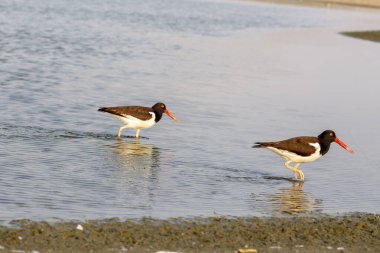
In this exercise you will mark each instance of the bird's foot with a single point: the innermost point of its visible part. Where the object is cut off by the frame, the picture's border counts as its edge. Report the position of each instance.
(302, 176)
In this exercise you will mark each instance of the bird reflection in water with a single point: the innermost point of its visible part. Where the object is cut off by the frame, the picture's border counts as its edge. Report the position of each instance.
(136, 174)
(137, 157)
(293, 200)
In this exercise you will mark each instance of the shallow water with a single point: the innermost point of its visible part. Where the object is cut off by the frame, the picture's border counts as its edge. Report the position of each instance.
(232, 72)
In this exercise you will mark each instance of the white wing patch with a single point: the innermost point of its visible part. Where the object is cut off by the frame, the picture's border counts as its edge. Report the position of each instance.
(136, 123)
(298, 158)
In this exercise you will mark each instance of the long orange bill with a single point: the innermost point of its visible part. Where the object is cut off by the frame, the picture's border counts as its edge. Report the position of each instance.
(171, 116)
(341, 143)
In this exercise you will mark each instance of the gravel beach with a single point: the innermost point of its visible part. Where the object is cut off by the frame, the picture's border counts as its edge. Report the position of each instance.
(350, 233)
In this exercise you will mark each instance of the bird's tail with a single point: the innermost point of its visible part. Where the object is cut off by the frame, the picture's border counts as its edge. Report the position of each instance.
(103, 109)
(111, 110)
(261, 144)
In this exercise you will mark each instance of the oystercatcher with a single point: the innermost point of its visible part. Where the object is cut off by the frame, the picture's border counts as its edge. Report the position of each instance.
(302, 149)
(138, 117)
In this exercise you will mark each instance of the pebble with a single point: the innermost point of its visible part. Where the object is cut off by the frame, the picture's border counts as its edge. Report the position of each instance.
(329, 247)
(247, 250)
(79, 227)
(275, 247)
(2, 247)
(340, 249)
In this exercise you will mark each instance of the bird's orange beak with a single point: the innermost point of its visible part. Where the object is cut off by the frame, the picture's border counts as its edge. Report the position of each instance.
(343, 145)
(171, 116)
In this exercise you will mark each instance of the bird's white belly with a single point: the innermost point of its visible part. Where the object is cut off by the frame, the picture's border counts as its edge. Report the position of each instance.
(136, 123)
(298, 158)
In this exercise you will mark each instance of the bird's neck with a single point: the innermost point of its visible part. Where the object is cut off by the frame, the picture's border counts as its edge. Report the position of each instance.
(325, 146)
(158, 115)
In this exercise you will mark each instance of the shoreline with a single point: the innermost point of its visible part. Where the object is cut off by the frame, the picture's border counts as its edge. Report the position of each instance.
(356, 232)
(369, 35)
(373, 36)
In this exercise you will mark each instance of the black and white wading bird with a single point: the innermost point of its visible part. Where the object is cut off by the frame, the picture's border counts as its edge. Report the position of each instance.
(302, 149)
(138, 117)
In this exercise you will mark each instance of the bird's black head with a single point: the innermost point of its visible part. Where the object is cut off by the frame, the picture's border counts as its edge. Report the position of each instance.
(325, 140)
(159, 109)
(327, 137)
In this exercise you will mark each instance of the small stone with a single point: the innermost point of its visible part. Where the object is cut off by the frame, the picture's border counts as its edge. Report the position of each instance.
(35, 251)
(20, 238)
(275, 247)
(79, 227)
(2, 247)
(299, 246)
(166, 251)
(340, 249)
(247, 250)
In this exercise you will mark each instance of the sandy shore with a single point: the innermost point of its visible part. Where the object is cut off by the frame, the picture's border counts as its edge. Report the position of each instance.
(365, 35)
(352, 233)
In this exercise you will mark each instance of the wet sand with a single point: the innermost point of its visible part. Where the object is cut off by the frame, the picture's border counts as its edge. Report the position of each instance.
(351, 233)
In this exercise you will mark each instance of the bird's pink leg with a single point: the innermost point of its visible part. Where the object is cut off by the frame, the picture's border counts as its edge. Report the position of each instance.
(120, 130)
(295, 170)
(137, 133)
(287, 165)
(302, 176)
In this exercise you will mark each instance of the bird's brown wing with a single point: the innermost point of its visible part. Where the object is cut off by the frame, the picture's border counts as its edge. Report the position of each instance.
(297, 145)
(140, 112)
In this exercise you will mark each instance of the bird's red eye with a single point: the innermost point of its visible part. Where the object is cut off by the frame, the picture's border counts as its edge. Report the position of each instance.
(162, 106)
(331, 134)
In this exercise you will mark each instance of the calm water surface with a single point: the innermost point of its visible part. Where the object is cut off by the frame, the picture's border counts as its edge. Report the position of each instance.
(232, 72)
